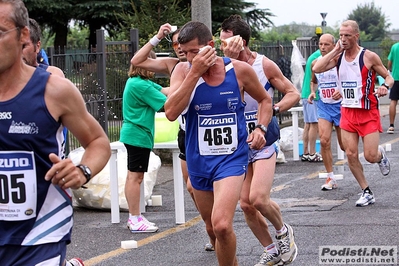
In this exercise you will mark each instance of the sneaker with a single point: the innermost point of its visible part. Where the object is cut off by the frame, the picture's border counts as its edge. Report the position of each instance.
(365, 199)
(75, 262)
(305, 157)
(287, 246)
(390, 130)
(270, 259)
(141, 226)
(385, 166)
(315, 158)
(330, 184)
(209, 247)
(145, 220)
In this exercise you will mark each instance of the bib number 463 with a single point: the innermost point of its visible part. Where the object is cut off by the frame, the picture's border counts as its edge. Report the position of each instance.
(218, 136)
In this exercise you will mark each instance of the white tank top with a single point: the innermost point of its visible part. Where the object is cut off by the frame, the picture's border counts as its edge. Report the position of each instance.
(328, 83)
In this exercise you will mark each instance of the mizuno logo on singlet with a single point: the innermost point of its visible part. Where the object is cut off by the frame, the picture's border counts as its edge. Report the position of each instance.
(217, 121)
(251, 116)
(14, 162)
(328, 85)
(349, 84)
(5, 115)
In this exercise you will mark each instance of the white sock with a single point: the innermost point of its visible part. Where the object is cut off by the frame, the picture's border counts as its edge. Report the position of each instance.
(134, 218)
(331, 175)
(271, 249)
(282, 231)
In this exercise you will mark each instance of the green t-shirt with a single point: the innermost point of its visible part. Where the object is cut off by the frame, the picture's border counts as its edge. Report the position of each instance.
(308, 76)
(142, 98)
(394, 58)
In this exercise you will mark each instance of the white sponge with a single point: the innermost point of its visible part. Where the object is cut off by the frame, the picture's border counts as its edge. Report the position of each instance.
(128, 244)
(336, 176)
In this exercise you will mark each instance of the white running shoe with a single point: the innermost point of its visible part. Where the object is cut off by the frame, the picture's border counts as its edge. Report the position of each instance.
(270, 259)
(209, 247)
(141, 226)
(330, 184)
(365, 199)
(145, 219)
(315, 157)
(305, 157)
(287, 246)
(385, 166)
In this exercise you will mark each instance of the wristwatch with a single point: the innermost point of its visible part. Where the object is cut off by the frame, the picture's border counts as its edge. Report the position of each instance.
(276, 110)
(262, 127)
(385, 85)
(86, 171)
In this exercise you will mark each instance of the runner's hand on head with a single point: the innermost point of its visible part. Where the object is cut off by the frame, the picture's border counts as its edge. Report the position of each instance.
(232, 46)
(204, 59)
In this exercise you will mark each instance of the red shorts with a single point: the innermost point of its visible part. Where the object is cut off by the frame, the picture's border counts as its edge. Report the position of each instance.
(360, 121)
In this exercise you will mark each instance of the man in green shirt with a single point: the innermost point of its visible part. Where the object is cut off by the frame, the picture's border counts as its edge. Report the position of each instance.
(309, 115)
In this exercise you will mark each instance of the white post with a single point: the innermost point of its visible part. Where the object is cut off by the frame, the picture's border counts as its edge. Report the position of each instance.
(179, 189)
(295, 139)
(113, 170)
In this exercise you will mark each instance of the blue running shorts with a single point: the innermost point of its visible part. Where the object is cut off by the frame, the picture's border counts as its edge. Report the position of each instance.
(329, 111)
(309, 111)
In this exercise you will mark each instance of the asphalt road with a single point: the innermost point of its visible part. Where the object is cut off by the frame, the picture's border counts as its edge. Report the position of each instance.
(319, 218)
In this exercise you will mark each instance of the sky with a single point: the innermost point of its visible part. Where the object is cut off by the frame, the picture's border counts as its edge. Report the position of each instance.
(308, 11)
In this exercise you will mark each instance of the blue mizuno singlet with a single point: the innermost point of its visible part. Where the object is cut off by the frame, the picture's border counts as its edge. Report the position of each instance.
(32, 211)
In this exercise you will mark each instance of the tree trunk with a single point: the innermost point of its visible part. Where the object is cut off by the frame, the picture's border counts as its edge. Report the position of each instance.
(60, 40)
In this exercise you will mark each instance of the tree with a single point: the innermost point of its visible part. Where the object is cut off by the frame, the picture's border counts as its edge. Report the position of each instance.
(258, 19)
(146, 15)
(99, 14)
(371, 20)
(54, 15)
(77, 37)
(386, 45)
(149, 15)
(283, 33)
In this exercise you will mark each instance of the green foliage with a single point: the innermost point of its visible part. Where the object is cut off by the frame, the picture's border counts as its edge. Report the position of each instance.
(119, 16)
(47, 39)
(257, 18)
(56, 15)
(99, 14)
(371, 20)
(386, 45)
(274, 35)
(77, 37)
(149, 16)
(47, 12)
(291, 32)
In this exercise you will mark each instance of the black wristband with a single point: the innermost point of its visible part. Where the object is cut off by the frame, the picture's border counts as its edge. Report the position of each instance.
(86, 172)
(262, 127)
(385, 85)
